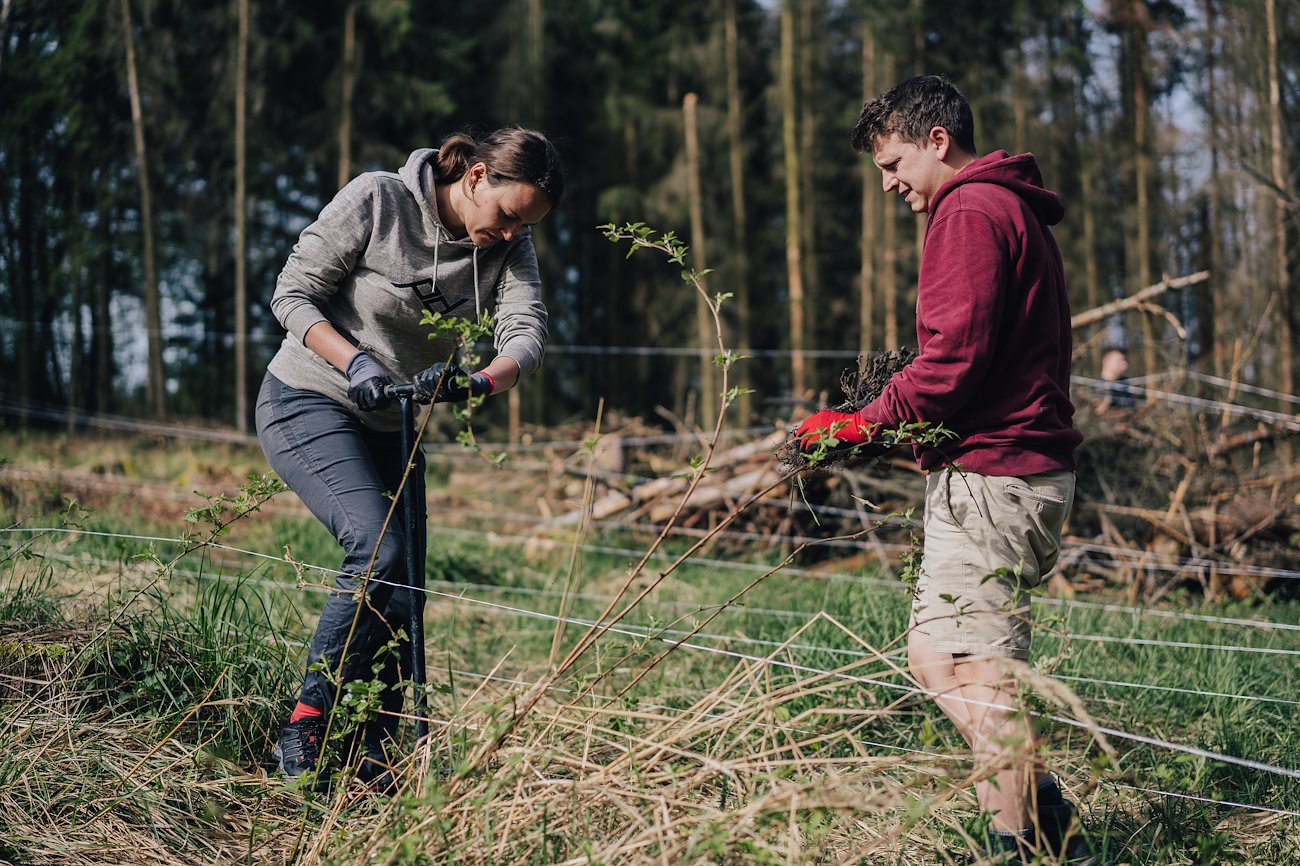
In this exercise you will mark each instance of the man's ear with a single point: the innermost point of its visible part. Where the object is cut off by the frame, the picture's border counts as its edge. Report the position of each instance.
(942, 141)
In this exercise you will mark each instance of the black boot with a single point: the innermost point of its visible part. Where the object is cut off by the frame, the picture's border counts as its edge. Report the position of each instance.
(1059, 829)
(1007, 849)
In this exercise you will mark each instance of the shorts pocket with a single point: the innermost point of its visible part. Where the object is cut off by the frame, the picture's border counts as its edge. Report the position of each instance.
(939, 498)
(1041, 500)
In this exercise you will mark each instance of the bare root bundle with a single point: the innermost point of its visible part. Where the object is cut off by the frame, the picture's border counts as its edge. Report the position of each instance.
(860, 387)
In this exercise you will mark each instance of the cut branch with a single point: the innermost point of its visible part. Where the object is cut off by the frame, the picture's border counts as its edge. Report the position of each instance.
(1137, 299)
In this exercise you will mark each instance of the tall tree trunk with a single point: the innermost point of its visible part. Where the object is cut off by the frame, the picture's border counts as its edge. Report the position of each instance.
(1020, 89)
(101, 333)
(1138, 27)
(918, 68)
(740, 238)
(349, 84)
(1277, 159)
(889, 243)
(1087, 162)
(1210, 292)
(870, 181)
(793, 207)
(241, 228)
(533, 113)
(24, 277)
(806, 82)
(642, 290)
(156, 384)
(76, 353)
(704, 333)
(536, 62)
(6, 9)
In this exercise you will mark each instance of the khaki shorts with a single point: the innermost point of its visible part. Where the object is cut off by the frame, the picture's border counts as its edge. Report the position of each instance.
(989, 540)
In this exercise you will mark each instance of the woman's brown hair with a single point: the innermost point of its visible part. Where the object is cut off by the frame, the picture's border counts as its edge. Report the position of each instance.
(512, 155)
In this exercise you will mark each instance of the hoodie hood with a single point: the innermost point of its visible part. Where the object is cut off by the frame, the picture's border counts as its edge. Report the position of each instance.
(418, 175)
(1019, 174)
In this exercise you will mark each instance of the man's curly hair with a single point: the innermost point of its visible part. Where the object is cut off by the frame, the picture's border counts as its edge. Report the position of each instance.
(913, 108)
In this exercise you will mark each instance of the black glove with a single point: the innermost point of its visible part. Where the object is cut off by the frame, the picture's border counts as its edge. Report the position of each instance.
(448, 383)
(368, 382)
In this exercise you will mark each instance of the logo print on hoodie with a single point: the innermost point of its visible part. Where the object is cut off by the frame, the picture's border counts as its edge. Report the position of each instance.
(434, 301)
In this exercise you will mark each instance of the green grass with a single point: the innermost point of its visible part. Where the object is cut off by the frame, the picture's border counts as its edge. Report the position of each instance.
(139, 697)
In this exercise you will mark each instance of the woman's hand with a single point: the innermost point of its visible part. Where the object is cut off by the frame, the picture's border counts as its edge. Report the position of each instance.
(368, 382)
(448, 383)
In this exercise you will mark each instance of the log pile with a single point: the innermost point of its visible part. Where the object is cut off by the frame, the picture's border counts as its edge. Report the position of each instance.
(749, 478)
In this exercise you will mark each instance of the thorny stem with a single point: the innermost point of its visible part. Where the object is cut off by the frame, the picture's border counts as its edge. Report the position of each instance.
(666, 243)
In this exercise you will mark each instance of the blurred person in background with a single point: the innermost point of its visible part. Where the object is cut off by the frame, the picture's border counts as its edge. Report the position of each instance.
(1115, 394)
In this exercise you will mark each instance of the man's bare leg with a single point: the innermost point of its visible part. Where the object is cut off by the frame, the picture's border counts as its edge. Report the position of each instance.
(965, 687)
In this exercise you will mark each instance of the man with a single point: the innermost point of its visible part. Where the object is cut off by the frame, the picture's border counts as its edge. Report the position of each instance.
(993, 328)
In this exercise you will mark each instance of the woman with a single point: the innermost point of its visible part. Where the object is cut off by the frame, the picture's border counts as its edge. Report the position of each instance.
(448, 233)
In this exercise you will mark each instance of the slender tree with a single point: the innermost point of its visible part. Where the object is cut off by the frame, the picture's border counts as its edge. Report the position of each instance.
(870, 205)
(24, 287)
(809, 19)
(793, 206)
(75, 277)
(348, 81)
(6, 9)
(101, 334)
(1208, 297)
(739, 233)
(153, 313)
(1277, 160)
(704, 333)
(889, 243)
(241, 222)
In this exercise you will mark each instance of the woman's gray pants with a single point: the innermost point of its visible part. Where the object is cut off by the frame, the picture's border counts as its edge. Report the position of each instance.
(347, 475)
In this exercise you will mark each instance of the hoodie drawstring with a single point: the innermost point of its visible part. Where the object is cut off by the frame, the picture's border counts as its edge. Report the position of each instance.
(437, 245)
(478, 307)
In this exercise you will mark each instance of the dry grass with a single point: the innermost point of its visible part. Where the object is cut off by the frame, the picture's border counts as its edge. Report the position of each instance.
(768, 766)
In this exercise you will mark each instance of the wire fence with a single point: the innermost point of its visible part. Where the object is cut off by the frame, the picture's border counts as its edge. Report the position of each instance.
(726, 645)
(673, 637)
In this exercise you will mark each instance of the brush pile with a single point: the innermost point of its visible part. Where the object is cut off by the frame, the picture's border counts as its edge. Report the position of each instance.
(1171, 495)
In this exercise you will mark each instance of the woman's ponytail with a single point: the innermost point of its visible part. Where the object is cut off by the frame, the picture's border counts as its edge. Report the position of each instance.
(455, 156)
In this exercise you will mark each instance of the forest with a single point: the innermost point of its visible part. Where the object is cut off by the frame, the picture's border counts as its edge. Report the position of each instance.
(158, 159)
(657, 631)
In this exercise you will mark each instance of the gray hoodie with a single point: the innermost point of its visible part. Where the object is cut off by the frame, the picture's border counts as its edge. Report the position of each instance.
(374, 260)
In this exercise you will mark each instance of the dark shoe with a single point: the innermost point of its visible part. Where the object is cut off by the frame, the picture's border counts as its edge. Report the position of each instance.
(377, 777)
(299, 748)
(1061, 832)
(1006, 849)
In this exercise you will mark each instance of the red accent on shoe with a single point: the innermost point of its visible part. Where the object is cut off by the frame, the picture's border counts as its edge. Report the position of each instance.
(304, 711)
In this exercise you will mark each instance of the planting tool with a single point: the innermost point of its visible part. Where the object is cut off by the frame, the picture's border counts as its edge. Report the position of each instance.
(415, 547)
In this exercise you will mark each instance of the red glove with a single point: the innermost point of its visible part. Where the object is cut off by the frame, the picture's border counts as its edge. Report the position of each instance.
(846, 428)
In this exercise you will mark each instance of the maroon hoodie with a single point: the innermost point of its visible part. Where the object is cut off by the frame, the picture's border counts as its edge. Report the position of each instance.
(992, 325)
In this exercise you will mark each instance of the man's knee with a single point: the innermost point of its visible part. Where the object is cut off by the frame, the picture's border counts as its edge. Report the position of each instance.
(922, 661)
